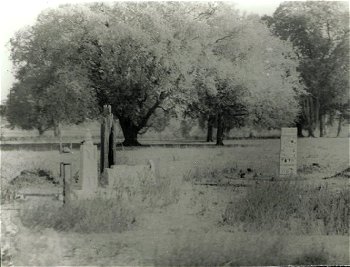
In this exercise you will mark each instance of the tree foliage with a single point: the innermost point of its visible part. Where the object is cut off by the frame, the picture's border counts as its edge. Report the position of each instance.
(50, 88)
(319, 32)
(249, 76)
(133, 56)
(149, 60)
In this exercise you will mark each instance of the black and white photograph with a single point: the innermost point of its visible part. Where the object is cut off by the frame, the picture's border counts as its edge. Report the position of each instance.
(174, 133)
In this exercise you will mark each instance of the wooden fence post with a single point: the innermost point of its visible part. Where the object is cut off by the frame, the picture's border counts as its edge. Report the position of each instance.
(66, 173)
(67, 178)
(113, 144)
(108, 139)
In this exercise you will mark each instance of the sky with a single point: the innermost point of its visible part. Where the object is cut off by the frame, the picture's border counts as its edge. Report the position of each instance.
(16, 14)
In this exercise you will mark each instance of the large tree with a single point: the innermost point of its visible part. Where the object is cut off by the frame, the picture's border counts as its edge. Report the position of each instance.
(246, 75)
(319, 31)
(42, 99)
(50, 87)
(143, 61)
(133, 56)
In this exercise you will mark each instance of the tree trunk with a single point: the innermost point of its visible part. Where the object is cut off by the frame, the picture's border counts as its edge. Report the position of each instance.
(40, 130)
(310, 131)
(210, 129)
(103, 148)
(300, 129)
(321, 124)
(220, 131)
(340, 120)
(317, 112)
(331, 119)
(309, 111)
(112, 156)
(310, 115)
(130, 131)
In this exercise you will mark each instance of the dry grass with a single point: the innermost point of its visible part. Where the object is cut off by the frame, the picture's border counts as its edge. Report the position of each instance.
(332, 154)
(13, 163)
(285, 205)
(100, 215)
(165, 192)
(86, 216)
(269, 206)
(214, 174)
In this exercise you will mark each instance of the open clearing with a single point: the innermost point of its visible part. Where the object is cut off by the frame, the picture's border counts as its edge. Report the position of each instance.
(184, 224)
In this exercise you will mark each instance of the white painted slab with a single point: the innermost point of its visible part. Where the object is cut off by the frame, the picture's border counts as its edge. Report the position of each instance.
(288, 152)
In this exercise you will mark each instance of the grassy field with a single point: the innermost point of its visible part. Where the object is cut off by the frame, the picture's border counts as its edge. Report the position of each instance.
(200, 213)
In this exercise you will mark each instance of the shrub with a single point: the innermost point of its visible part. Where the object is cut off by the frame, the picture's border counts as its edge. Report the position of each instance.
(290, 205)
(83, 216)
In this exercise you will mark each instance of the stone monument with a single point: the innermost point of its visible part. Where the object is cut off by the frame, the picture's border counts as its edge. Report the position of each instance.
(88, 174)
(288, 152)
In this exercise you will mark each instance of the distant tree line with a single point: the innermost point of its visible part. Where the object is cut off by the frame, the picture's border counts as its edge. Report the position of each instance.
(155, 60)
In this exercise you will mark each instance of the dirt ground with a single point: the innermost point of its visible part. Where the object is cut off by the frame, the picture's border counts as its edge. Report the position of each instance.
(195, 218)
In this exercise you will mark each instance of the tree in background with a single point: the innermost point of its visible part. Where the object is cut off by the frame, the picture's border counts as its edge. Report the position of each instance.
(50, 88)
(319, 32)
(146, 59)
(130, 55)
(245, 76)
(44, 104)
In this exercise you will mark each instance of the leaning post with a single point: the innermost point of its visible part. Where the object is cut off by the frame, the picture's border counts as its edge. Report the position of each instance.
(108, 139)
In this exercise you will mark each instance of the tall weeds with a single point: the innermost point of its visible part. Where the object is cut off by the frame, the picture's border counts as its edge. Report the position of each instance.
(293, 206)
(81, 216)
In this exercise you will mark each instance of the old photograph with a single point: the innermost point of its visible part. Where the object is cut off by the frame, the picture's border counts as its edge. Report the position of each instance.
(174, 133)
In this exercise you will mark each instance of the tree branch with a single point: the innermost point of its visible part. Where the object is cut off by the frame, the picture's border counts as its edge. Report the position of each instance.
(144, 119)
(149, 113)
(164, 109)
(223, 38)
(207, 13)
(227, 36)
(145, 129)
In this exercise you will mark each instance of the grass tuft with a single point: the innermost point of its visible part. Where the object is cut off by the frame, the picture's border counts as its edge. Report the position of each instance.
(214, 174)
(164, 192)
(88, 216)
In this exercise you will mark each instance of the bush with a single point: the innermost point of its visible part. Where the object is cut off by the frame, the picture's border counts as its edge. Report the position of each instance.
(293, 206)
(81, 216)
